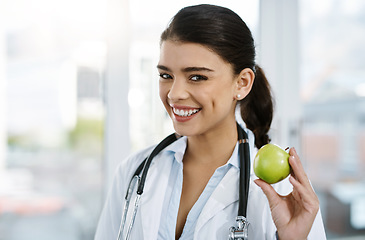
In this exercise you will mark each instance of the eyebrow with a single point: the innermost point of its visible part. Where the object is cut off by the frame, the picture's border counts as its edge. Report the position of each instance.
(187, 69)
(163, 68)
(197, 69)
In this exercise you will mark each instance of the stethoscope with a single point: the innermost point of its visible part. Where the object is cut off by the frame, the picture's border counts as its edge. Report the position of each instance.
(239, 232)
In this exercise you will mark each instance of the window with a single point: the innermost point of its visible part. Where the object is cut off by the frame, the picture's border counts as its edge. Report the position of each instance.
(332, 94)
(52, 118)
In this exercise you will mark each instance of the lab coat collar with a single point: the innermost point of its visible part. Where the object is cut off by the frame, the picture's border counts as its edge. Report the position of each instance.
(155, 188)
(225, 194)
(234, 160)
(228, 186)
(154, 194)
(178, 148)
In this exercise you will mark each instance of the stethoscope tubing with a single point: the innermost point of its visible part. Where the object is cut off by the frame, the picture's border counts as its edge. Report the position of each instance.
(244, 171)
(131, 186)
(164, 143)
(140, 180)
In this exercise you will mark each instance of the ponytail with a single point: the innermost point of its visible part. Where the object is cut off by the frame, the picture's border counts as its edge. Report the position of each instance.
(257, 108)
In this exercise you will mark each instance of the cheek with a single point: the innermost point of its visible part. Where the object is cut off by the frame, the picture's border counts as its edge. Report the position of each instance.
(218, 96)
(222, 101)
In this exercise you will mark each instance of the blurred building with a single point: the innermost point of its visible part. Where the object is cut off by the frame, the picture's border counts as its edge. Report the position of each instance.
(333, 98)
(51, 178)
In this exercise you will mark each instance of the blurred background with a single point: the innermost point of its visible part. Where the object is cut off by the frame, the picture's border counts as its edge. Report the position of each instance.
(79, 92)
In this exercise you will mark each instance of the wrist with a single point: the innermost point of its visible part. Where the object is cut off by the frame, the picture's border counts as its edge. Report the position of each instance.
(279, 238)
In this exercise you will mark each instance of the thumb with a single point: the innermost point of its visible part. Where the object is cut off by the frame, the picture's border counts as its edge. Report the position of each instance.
(272, 196)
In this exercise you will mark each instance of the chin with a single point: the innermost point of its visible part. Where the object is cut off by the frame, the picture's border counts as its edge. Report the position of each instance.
(183, 130)
(188, 130)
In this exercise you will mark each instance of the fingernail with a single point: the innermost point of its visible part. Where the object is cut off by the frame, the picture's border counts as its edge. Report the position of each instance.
(295, 151)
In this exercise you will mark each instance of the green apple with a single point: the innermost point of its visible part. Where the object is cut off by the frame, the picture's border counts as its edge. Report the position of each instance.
(271, 163)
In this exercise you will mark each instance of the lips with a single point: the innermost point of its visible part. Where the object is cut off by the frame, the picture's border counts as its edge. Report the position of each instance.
(185, 112)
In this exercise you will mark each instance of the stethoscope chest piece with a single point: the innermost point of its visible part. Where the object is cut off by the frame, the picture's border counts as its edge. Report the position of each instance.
(241, 231)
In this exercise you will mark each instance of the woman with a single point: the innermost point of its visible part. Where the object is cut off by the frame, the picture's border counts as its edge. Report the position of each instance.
(207, 67)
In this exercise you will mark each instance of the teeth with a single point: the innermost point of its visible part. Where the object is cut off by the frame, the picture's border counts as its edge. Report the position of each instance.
(183, 113)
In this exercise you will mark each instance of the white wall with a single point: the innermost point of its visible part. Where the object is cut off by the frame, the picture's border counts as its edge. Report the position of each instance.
(279, 56)
(117, 143)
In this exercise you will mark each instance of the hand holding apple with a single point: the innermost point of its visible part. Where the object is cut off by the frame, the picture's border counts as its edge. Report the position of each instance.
(293, 214)
(271, 164)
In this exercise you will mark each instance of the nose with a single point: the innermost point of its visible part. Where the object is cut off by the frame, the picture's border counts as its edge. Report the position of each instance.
(178, 90)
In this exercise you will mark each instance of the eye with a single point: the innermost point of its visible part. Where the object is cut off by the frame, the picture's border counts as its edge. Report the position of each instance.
(165, 76)
(197, 78)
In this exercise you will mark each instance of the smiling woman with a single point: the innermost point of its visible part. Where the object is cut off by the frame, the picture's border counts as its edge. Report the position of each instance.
(200, 81)
(196, 180)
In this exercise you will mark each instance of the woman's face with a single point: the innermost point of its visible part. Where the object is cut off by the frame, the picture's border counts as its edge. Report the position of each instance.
(197, 88)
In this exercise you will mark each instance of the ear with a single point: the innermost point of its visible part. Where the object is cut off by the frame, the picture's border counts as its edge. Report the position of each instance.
(244, 82)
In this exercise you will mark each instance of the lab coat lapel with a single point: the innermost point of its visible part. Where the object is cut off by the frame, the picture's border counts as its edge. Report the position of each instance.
(153, 196)
(225, 194)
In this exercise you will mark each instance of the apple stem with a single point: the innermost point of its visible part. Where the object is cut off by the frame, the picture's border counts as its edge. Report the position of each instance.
(286, 149)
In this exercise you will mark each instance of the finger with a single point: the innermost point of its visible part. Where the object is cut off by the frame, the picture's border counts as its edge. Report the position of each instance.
(309, 200)
(302, 188)
(297, 168)
(306, 195)
(296, 194)
(272, 196)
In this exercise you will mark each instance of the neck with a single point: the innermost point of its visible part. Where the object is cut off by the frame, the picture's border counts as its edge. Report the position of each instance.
(213, 148)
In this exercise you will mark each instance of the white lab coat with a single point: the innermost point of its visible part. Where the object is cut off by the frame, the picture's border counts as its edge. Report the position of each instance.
(217, 216)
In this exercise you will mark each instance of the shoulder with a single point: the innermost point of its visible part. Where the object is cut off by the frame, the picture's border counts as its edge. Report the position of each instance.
(130, 163)
(123, 174)
(110, 217)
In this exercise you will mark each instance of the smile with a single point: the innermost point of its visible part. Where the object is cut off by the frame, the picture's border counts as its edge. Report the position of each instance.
(185, 113)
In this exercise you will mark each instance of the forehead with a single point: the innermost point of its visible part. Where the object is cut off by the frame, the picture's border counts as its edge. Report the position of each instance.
(183, 54)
